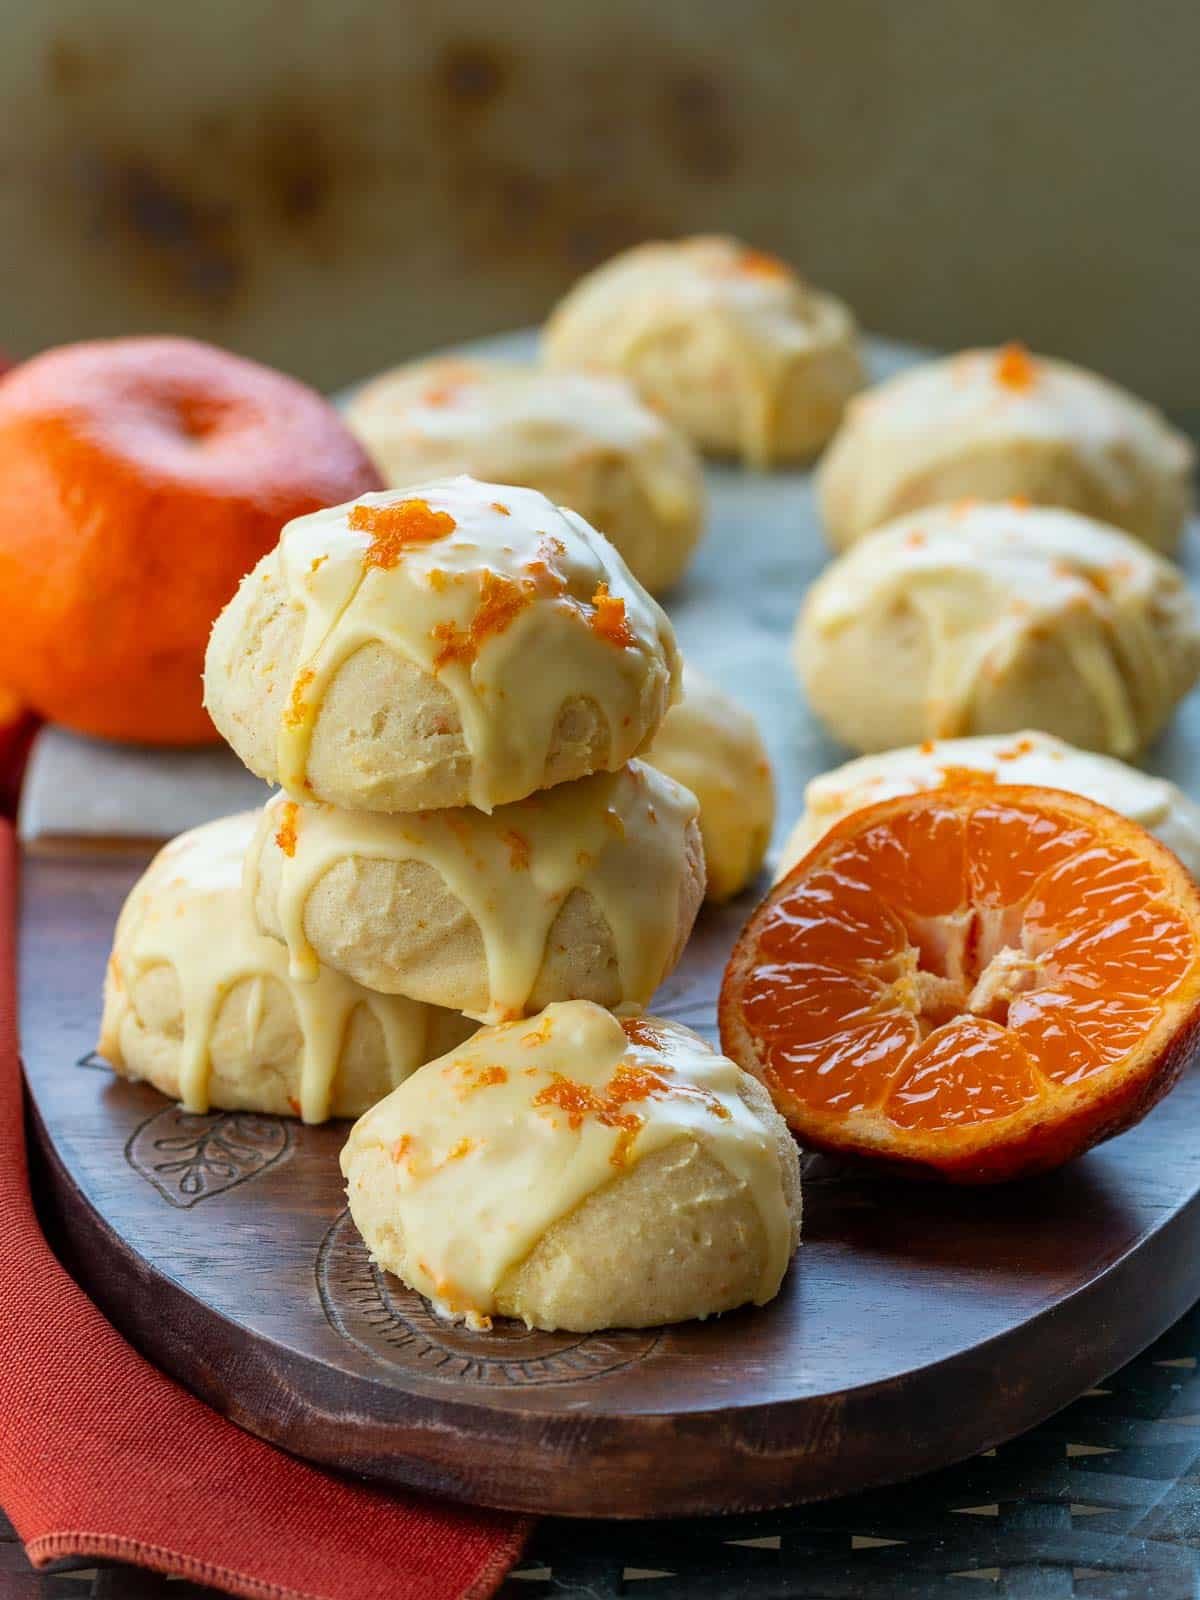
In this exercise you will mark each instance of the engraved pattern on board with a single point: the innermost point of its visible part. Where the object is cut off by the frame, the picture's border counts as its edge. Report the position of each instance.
(189, 1158)
(396, 1327)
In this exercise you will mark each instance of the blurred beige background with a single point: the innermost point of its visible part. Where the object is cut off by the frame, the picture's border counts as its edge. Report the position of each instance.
(332, 186)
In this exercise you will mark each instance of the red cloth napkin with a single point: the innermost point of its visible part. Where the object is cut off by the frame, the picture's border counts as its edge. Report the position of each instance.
(103, 1456)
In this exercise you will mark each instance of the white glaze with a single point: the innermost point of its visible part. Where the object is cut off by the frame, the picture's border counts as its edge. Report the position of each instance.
(187, 912)
(498, 419)
(987, 578)
(504, 542)
(737, 308)
(499, 1139)
(993, 404)
(619, 836)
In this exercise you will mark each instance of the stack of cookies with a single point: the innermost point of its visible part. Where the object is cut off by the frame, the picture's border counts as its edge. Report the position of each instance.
(450, 683)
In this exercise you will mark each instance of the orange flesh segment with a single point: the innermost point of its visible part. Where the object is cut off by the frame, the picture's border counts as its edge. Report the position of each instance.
(961, 956)
(969, 1070)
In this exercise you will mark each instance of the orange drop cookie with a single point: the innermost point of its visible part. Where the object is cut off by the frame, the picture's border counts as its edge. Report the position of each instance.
(728, 342)
(994, 424)
(578, 1171)
(975, 982)
(453, 643)
(985, 619)
(712, 745)
(198, 1003)
(585, 440)
(587, 890)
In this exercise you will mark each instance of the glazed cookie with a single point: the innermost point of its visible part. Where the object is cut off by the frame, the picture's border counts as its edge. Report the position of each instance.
(727, 342)
(588, 890)
(578, 1172)
(1029, 758)
(988, 619)
(198, 1003)
(463, 643)
(585, 441)
(994, 424)
(711, 745)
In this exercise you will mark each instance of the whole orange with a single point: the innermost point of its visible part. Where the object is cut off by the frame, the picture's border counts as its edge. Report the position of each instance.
(139, 479)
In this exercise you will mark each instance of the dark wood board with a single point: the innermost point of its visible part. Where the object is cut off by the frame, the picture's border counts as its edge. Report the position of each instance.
(918, 1324)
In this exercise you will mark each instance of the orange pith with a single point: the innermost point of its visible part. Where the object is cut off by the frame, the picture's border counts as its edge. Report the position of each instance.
(982, 979)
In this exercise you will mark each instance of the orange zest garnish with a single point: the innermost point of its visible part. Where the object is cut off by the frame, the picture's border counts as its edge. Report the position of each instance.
(966, 776)
(396, 526)
(469, 1078)
(285, 834)
(539, 1035)
(1014, 367)
(518, 849)
(639, 1030)
(501, 601)
(441, 394)
(499, 506)
(978, 981)
(545, 579)
(762, 264)
(297, 708)
(542, 569)
(635, 1081)
(1011, 753)
(608, 620)
(631, 1082)
(578, 1101)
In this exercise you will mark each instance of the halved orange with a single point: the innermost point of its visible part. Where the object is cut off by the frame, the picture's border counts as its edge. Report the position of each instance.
(977, 983)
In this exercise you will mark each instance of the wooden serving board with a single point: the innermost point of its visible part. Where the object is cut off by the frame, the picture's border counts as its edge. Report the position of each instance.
(918, 1324)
